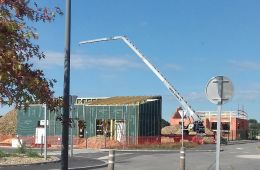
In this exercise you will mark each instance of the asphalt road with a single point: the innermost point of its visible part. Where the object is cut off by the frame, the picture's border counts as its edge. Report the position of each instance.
(234, 157)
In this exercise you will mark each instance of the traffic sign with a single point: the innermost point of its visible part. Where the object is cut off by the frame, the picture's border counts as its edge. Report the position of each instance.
(219, 90)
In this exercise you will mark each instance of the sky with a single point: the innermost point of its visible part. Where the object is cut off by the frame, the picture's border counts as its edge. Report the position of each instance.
(189, 41)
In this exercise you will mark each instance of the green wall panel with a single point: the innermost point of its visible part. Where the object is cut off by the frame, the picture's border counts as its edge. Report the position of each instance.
(140, 119)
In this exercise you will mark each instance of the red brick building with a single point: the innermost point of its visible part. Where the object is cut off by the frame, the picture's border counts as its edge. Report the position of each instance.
(234, 123)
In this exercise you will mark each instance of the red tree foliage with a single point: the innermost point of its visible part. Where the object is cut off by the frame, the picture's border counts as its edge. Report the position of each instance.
(20, 83)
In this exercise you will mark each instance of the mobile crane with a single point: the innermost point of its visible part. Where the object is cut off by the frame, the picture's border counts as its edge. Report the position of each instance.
(197, 124)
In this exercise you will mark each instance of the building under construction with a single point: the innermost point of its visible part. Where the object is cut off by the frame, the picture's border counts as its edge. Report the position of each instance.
(124, 119)
(234, 124)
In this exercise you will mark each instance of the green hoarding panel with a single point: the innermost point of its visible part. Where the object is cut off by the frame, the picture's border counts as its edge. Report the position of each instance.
(27, 120)
(141, 119)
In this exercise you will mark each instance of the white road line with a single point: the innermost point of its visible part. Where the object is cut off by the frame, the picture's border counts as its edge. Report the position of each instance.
(239, 148)
(249, 156)
(106, 157)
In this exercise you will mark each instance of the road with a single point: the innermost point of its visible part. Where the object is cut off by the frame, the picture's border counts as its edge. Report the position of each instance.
(234, 157)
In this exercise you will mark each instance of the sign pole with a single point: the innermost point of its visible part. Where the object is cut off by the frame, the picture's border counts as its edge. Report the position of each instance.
(182, 128)
(218, 91)
(182, 149)
(45, 132)
(71, 137)
(218, 137)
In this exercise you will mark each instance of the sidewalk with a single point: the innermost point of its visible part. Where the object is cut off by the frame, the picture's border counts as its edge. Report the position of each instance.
(75, 163)
(242, 142)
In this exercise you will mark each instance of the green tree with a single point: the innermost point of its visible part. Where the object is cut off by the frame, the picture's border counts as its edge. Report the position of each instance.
(252, 121)
(21, 83)
(253, 124)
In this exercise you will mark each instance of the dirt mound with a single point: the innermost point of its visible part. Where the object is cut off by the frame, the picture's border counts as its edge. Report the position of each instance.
(167, 130)
(209, 132)
(99, 142)
(175, 129)
(8, 123)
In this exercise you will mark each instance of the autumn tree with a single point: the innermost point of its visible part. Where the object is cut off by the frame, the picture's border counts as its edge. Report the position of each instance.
(21, 83)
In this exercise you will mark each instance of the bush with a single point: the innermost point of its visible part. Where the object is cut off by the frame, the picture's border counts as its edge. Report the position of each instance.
(27, 152)
(31, 153)
(21, 150)
(2, 154)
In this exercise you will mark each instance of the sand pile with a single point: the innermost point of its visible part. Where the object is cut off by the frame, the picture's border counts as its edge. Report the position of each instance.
(175, 129)
(167, 130)
(8, 123)
(99, 142)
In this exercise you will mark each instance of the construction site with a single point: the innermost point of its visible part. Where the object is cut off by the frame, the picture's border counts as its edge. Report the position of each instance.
(234, 124)
(115, 122)
(125, 120)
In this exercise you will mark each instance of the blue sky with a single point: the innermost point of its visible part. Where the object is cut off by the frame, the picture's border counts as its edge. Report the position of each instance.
(188, 41)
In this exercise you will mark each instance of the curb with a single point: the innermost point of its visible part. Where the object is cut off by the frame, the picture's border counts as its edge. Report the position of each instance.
(90, 167)
(105, 164)
(240, 142)
(28, 164)
(175, 151)
(73, 168)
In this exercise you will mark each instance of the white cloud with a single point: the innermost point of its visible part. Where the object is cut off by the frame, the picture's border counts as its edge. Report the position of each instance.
(196, 96)
(192, 96)
(78, 61)
(245, 64)
(248, 95)
(173, 66)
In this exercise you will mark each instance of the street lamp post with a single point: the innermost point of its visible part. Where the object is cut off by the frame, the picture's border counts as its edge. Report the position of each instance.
(66, 90)
(72, 100)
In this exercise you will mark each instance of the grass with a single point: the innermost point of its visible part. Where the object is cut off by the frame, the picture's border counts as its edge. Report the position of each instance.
(31, 153)
(21, 151)
(2, 154)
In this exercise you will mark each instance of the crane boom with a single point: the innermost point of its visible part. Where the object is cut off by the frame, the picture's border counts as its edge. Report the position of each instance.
(170, 87)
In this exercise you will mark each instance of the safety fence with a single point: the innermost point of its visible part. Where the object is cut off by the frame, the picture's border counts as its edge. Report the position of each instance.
(106, 142)
(231, 135)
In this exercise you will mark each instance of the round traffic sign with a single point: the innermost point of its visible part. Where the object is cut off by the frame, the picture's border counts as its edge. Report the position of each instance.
(219, 90)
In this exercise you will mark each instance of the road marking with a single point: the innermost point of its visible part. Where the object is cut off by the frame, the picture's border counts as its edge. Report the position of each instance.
(239, 148)
(106, 157)
(249, 156)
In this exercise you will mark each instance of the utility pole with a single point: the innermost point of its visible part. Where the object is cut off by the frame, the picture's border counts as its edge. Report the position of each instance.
(66, 90)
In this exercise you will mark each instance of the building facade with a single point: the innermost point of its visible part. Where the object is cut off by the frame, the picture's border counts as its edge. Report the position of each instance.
(120, 118)
(234, 124)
